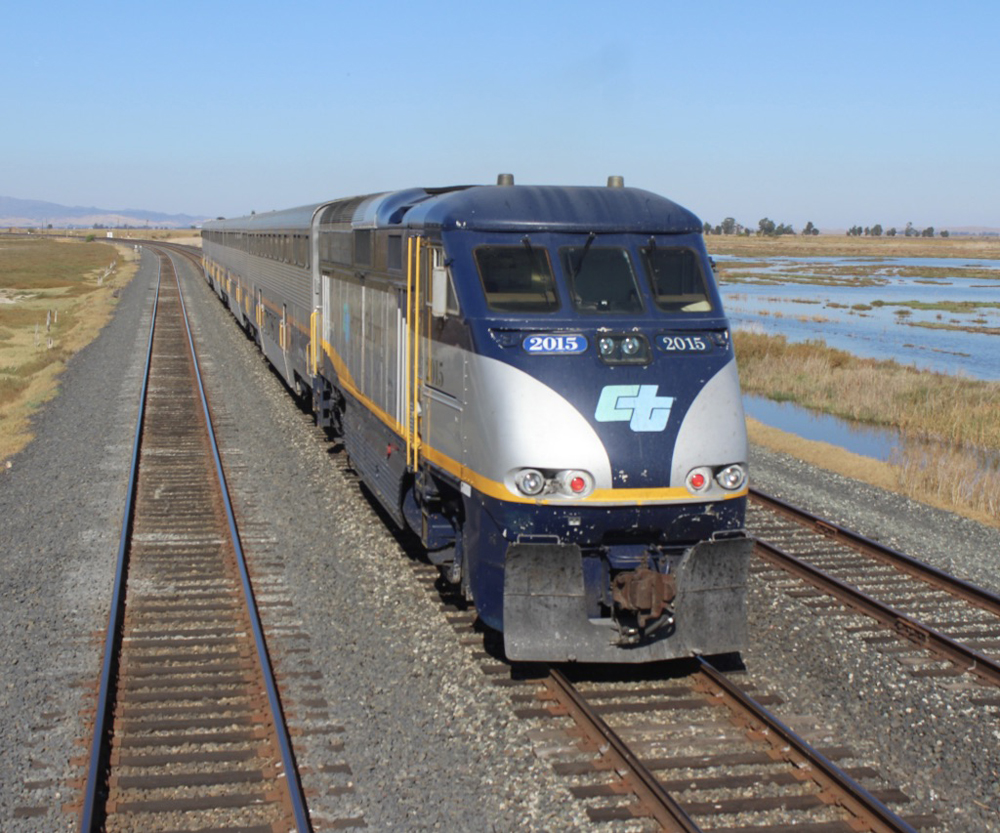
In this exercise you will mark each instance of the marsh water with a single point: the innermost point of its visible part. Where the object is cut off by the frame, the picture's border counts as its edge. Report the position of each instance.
(866, 440)
(937, 314)
(934, 313)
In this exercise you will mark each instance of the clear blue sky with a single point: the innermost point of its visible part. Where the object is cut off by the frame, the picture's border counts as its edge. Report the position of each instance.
(837, 112)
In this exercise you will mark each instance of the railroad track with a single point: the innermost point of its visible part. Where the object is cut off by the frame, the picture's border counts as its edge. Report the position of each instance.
(684, 749)
(712, 783)
(698, 752)
(956, 623)
(684, 772)
(680, 746)
(690, 751)
(188, 731)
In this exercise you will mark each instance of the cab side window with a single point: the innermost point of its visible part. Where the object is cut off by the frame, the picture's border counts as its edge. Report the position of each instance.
(517, 278)
(676, 279)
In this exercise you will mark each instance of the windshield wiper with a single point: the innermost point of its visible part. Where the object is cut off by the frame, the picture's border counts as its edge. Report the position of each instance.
(526, 241)
(573, 272)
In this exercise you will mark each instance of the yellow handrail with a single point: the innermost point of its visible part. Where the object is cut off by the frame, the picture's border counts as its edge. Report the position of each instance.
(413, 328)
(406, 369)
(314, 341)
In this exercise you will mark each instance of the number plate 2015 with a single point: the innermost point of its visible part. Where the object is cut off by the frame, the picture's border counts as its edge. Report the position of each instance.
(687, 343)
(554, 345)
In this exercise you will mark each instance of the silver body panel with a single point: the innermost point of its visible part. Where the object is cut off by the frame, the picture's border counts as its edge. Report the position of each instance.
(714, 430)
(512, 420)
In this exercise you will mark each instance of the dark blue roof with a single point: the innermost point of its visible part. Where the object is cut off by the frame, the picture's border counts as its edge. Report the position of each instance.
(553, 208)
(493, 208)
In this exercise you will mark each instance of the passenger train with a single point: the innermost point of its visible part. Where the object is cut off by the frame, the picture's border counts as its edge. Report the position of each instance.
(539, 382)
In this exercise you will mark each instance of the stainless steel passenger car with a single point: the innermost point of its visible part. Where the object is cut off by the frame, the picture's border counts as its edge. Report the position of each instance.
(539, 382)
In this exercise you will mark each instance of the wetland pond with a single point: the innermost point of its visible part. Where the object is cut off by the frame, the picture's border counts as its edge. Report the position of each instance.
(934, 313)
(866, 440)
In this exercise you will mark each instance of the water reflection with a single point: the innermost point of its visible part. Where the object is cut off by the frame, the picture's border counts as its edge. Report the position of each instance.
(865, 440)
(881, 320)
(883, 444)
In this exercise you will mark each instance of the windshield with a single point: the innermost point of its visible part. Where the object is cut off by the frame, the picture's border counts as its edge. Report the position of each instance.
(517, 278)
(677, 280)
(600, 278)
(594, 277)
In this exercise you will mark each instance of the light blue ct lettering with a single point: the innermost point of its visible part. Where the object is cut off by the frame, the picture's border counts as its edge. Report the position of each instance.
(638, 405)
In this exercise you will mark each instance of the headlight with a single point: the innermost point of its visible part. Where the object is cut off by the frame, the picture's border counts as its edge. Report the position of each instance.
(731, 477)
(550, 484)
(624, 348)
(576, 483)
(530, 481)
(699, 479)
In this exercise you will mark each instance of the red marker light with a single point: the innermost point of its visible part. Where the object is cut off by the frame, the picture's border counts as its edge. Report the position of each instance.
(578, 484)
(697, 480)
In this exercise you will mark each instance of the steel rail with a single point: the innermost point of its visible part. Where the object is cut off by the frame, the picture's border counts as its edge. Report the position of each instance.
(906, 626)
(654, 798)
(925, 572)
(112, 641)
(299, 808)
(870, 813)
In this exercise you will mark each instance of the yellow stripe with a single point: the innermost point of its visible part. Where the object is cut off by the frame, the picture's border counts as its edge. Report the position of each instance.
(496, 489)
(493, 488)
(410, 412)
(346, 381)
(599, 497)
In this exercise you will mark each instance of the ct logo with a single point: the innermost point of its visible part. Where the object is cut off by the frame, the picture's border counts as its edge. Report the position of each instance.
(636, 404)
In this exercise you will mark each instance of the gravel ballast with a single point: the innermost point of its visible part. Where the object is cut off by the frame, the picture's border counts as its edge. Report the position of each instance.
(924, 735)
(61, 505)
(422, 738)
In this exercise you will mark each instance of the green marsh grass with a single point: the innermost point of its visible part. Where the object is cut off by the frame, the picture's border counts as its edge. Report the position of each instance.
(965, 328)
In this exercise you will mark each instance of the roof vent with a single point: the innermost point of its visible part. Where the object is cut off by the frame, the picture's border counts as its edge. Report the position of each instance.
(616, 182)
(505, 179)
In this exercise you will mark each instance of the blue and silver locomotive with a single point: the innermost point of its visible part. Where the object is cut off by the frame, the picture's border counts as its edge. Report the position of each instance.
(539, 382)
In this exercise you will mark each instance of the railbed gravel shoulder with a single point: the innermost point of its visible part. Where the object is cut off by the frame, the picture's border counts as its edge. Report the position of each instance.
(61, 504)
(428, 742)
(924, 735)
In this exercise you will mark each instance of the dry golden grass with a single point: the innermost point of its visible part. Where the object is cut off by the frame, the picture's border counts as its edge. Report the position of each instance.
(952, 477)
(950, 409)
(55, 296)
(960, 416)
(941, 480)
(834, 245)
(173, 235)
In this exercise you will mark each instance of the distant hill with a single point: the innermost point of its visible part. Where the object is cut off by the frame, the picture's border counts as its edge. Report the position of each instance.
(16, 213)
(954, 231)
(972, 231)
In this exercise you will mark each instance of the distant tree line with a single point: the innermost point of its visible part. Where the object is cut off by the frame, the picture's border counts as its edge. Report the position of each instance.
(876, 231)
(768, 228)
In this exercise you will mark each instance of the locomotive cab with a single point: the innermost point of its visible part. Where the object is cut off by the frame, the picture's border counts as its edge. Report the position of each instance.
(539, 381)
(602, 433)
